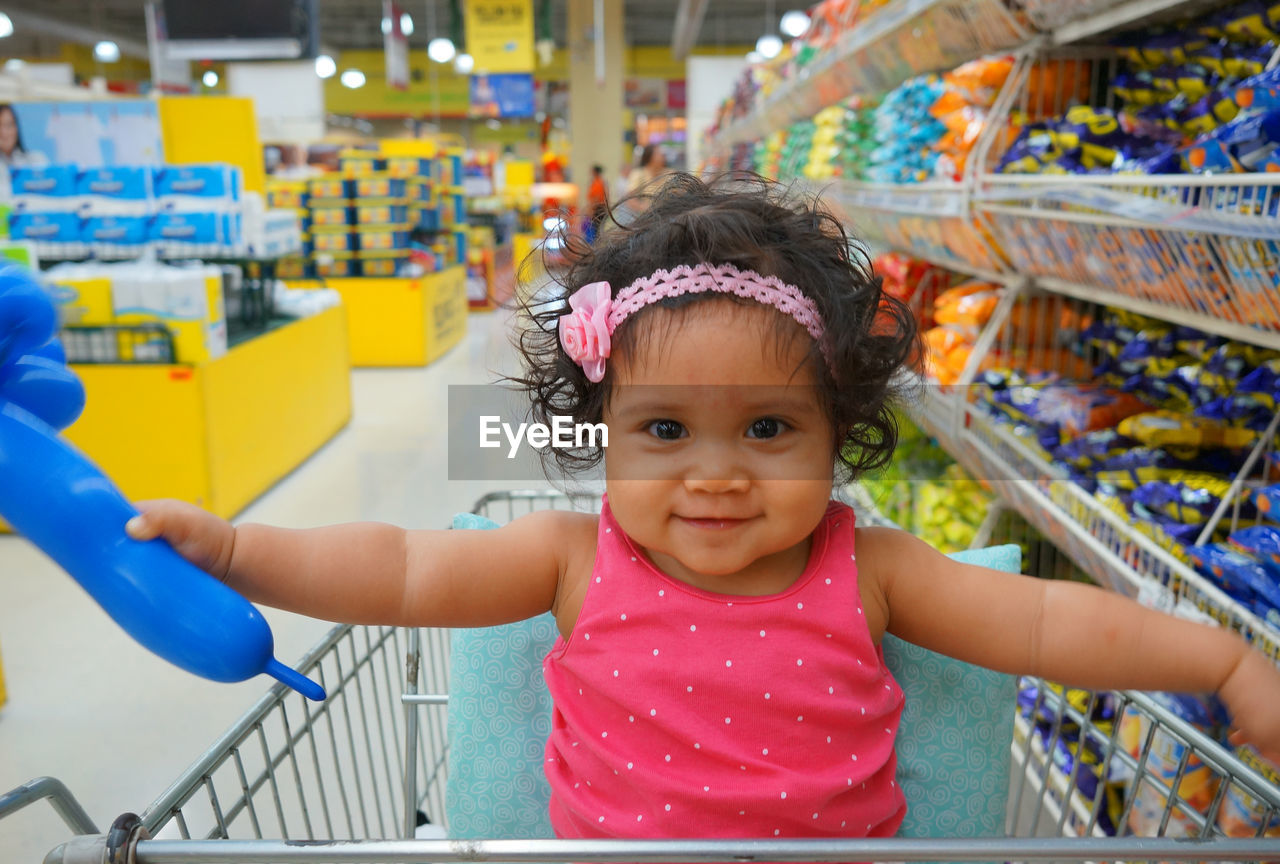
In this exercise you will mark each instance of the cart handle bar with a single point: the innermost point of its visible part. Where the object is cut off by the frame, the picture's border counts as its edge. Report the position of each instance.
(60, 798)
(83, 849)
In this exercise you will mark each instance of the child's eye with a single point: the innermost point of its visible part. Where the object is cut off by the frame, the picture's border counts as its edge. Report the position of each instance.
(667, 430)
(766, 427)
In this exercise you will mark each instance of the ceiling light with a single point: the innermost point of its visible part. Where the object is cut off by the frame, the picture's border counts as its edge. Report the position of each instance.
(794, 23)
(441, 50)
(386, 26)
(6, 26)
(463, 64)
(493, 123)
(769, 46)
(106, 51)
(326, 66)
(406, 24)
(352, 78)
(755, 57)
(210, 78)
(14, 65)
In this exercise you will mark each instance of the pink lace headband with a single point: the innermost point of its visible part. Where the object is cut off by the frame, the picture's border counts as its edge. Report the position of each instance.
(586, 329)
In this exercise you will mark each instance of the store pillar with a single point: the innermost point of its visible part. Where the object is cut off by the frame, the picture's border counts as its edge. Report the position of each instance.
(595, 101)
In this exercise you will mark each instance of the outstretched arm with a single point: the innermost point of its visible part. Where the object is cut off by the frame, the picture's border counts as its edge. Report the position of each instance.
(371, 573)
(1068, 632)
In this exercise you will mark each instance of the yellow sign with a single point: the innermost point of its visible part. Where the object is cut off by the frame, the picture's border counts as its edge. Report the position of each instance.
(500, 35)
(431, 90)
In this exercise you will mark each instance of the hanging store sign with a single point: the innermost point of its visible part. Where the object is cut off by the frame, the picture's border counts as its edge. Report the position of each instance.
(500, 35)
(395, 45)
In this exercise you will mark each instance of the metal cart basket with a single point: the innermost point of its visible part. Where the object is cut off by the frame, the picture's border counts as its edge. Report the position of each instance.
(360, 778)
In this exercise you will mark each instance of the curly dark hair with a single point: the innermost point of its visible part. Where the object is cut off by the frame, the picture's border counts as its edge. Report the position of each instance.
(753, 224)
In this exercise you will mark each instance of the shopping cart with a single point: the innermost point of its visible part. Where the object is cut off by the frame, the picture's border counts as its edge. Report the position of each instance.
(361, 778)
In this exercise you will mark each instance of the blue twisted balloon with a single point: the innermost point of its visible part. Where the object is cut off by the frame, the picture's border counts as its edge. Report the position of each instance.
(61, 502)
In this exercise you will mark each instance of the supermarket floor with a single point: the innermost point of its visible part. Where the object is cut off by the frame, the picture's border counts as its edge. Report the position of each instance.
(116, 724)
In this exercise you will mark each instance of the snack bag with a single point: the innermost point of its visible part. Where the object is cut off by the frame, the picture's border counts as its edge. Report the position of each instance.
(978, 82)
(1268, 500)
(1177, 432)
(1199, 782)
(1241, 814)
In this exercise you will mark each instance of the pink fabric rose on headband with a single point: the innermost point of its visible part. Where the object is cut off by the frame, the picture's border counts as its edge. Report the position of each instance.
(584, 330)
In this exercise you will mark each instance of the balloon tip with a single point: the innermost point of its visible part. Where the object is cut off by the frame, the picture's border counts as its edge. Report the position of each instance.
(295, 680)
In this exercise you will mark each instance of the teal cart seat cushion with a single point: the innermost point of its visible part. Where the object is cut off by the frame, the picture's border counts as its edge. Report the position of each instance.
(953, 742)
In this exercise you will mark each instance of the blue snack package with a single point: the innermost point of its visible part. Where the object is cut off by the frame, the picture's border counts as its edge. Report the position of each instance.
(1268, 501)
(1135, 88)
(1180, 532)
(1252, 138)
(1264, 378)
(1250, 22)
(1245, 575)
(1245, 61)
(1260, 541)
(1093, 448)
(1184, 502)
(1259, 92)
(1223, 566)
(1209, 157)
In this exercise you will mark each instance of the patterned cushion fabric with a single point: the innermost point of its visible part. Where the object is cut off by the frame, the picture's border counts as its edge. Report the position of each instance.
(957, 724)
(953, 744)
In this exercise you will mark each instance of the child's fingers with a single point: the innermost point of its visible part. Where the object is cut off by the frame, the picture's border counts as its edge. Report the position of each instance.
(151, 520)
(142, 527)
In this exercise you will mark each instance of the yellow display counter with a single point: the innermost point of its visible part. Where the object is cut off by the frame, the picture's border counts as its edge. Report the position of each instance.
(219, 434)
(402, 322)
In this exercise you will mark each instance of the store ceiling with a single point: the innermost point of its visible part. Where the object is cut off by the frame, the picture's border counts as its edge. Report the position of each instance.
(355, 24)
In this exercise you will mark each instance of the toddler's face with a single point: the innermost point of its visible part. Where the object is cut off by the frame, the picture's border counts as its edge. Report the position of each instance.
(720, 456)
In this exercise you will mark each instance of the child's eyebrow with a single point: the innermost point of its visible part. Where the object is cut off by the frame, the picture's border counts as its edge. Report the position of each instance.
(672, 400)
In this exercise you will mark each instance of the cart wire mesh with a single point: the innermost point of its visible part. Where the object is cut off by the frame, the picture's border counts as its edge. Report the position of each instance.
(361, 777)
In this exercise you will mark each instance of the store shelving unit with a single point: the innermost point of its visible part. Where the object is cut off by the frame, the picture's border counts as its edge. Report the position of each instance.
(1199, 251)
(904, 38)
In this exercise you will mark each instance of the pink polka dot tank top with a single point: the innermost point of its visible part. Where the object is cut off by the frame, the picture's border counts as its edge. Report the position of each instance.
(684, 713)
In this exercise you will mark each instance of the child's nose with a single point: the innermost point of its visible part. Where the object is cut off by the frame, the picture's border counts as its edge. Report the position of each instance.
(717, 485)
(716, 474)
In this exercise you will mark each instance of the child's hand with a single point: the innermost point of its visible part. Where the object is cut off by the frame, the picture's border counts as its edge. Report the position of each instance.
(1252, 694)
(199, 536)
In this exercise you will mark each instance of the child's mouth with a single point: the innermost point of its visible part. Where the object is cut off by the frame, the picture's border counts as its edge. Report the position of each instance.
(712, 524)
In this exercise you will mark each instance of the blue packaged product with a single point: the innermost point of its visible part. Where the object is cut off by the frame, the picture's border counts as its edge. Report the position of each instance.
(1259, 92)
(1239, 574)
(202, 228)
(1249, 22)
(1093, 448)
(46, 181)
(1243, 571)
(1252, 138)
(215, 182)
(1188, 500)
(53, 227)
(1260, 541)
(1264, 378)
(1250, 410)
(1268, 501)
(1182, 533)
(117, 230)
(128, 183)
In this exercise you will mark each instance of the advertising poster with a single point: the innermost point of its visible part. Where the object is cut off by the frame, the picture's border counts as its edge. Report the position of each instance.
(502, 96)
(89, 134)
(645, 94)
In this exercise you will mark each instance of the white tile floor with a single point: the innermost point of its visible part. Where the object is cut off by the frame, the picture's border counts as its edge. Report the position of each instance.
(115, 723)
